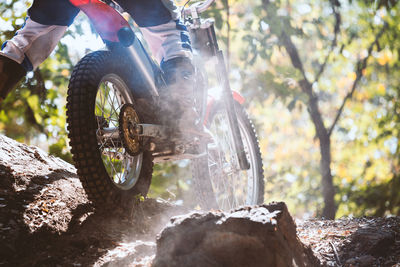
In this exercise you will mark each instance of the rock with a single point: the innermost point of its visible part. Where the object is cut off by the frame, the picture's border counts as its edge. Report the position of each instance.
(375, 242)
(39, 194)
(36, 186)
(28, 161)
(250, 236)
(47, 220)
(362, 261)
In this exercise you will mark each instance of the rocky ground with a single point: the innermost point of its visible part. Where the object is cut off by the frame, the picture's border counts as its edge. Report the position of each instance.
(353, 241)
(46, 220)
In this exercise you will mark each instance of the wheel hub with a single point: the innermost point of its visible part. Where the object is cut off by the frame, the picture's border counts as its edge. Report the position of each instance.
(128, 129)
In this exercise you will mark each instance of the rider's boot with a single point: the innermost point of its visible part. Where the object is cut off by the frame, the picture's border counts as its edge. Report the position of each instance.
(178, 97)
(10, 74)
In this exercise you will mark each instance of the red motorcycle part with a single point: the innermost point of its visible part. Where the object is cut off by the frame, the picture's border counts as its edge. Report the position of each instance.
(238, 97)
(106, 20)
(211, 102)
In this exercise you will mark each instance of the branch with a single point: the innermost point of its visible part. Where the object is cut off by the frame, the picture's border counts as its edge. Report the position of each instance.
(294, 57)
(306, 87)
(361, 65)
(338, 20)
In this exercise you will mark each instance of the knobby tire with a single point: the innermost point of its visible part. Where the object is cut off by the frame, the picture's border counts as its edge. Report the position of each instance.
(82, 126)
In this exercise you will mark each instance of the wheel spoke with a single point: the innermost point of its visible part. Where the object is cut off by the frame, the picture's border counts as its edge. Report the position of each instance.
(121, 167)
(230, 183)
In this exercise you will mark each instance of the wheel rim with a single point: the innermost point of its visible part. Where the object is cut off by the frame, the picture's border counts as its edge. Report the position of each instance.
(232, 186)
(122, 168)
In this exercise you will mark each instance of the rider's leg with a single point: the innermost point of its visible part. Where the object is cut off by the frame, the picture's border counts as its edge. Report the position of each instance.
(10, 74)
(159, 21)
(33, 43)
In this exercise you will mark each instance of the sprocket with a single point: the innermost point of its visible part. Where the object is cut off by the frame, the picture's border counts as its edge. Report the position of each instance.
(128, 120)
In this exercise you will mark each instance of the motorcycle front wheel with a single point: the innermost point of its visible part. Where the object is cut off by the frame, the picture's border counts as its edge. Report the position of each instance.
(218, 180)
(96, 94)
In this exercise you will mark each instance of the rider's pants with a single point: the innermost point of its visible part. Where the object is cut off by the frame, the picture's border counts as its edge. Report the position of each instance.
(159, 21)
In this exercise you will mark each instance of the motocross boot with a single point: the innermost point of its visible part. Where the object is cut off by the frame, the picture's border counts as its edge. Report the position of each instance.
(178, 98)
(10, 74)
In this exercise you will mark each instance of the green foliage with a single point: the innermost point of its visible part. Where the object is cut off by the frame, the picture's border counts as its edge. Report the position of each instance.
(36, 107)
(379, 195)
(59, 150)
(364, 146)
(171, 181)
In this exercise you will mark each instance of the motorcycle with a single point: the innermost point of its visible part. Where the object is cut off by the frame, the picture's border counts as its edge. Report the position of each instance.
(114, 125)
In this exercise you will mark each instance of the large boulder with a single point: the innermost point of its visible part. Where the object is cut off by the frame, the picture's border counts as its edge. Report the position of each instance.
(47, 220)
(250, 236)
(38, 193)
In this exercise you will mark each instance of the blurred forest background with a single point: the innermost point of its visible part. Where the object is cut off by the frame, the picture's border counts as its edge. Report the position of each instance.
(322, 84)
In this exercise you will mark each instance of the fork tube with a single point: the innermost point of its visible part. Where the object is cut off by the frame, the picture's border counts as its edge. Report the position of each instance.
(140, 57)
(230, 107)
(222, 75)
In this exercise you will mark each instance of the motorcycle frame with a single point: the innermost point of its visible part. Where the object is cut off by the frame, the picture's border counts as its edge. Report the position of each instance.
(118, 35)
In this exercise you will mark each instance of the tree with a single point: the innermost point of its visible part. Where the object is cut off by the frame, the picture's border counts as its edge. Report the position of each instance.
(285, 28)
(379, 196)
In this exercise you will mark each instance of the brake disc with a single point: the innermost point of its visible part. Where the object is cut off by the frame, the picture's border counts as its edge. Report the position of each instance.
(128, 129)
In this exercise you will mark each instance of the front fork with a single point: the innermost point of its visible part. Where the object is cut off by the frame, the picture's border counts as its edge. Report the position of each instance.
(223, 78)
(211, 48)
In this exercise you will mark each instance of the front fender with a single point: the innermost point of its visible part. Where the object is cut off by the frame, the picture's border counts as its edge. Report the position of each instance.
(106, 20)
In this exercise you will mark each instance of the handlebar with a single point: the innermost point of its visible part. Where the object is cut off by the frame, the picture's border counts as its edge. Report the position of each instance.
(200, 7)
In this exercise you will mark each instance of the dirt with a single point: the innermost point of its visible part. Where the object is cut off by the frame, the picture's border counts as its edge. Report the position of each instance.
(353, 241)
(46, 220)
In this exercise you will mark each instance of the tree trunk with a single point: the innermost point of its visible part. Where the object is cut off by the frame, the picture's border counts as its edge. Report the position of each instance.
(328, 190)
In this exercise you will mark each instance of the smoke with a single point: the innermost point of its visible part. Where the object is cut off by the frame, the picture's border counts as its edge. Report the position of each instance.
(137, 245)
